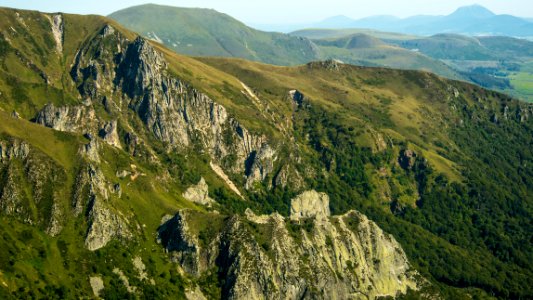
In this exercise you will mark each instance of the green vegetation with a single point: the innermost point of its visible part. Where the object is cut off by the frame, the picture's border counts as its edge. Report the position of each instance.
(205, 32)
(444, 166)
(465, 227)
(494, 62)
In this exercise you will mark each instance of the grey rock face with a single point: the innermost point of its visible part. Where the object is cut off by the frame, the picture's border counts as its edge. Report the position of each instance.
(104, 223)
(175, 235)
(310, 204)
(109, 134)
(172, 111)
(97, 285)
(179, 114)
(340, 257)
(199, 193)
(259, 165)
(11, 150)
(78, 119)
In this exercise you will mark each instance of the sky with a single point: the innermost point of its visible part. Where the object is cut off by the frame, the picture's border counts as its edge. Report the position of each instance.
(285, 11)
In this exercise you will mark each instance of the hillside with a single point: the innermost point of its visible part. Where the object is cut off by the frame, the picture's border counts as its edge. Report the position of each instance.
(494, 62)
(203, 32)
(130, 171)
(206, 32)
(365, 50)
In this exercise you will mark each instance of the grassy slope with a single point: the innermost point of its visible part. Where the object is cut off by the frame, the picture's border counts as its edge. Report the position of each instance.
(209, 33)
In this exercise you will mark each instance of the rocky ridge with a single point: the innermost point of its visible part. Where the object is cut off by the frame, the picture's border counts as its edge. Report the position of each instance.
(172, 111)
(264, 257)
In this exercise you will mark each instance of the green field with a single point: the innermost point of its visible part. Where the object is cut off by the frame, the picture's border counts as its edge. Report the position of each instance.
(523, 82)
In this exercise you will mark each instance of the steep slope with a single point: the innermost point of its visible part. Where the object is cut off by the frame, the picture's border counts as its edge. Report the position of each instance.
(207, 32)
(438, 131)
(111, 145)
(127, 147)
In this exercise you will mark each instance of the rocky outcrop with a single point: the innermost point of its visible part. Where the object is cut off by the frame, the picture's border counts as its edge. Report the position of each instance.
(97, 285)
(78, 119)
(310, 204)
(104, 225)
(171, 110)
(288, 176)
(177, 238)
(57, 31)
(109, 134)
(181, 115)
(268, 257)
(92, 195)
(199, 193)
(407, 159)
(330, 64)
(297, 97)
(259, 165)
(14, 149)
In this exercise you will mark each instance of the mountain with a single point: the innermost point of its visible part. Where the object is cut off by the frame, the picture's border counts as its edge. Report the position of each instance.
(224, 36)
(476, 12)
(335, 22)
(467, 20)
(130, 171)
(206, 32)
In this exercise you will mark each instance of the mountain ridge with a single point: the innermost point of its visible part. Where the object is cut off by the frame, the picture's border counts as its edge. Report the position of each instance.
(469, 20)
(108, 140)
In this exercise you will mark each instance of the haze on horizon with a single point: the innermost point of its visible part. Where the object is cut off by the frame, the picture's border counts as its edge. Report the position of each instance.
(286, 12)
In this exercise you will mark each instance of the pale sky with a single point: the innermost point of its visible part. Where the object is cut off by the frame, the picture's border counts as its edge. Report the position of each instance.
(285, 11)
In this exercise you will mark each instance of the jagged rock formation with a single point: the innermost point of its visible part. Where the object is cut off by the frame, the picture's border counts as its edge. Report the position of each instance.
(104, 223)
(110, 135)
(265, 257)
(199, 193)
(172, 111)
(78, 119)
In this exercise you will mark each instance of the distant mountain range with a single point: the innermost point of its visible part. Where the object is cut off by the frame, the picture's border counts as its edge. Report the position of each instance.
(206, 32)
(472, 20)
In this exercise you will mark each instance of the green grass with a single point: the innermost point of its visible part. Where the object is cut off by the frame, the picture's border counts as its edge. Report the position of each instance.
(207, 32)
(523, 82)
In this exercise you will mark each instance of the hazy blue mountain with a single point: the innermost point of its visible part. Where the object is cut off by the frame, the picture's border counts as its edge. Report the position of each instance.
(378, 22)
(335, 22)
(468, 20)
